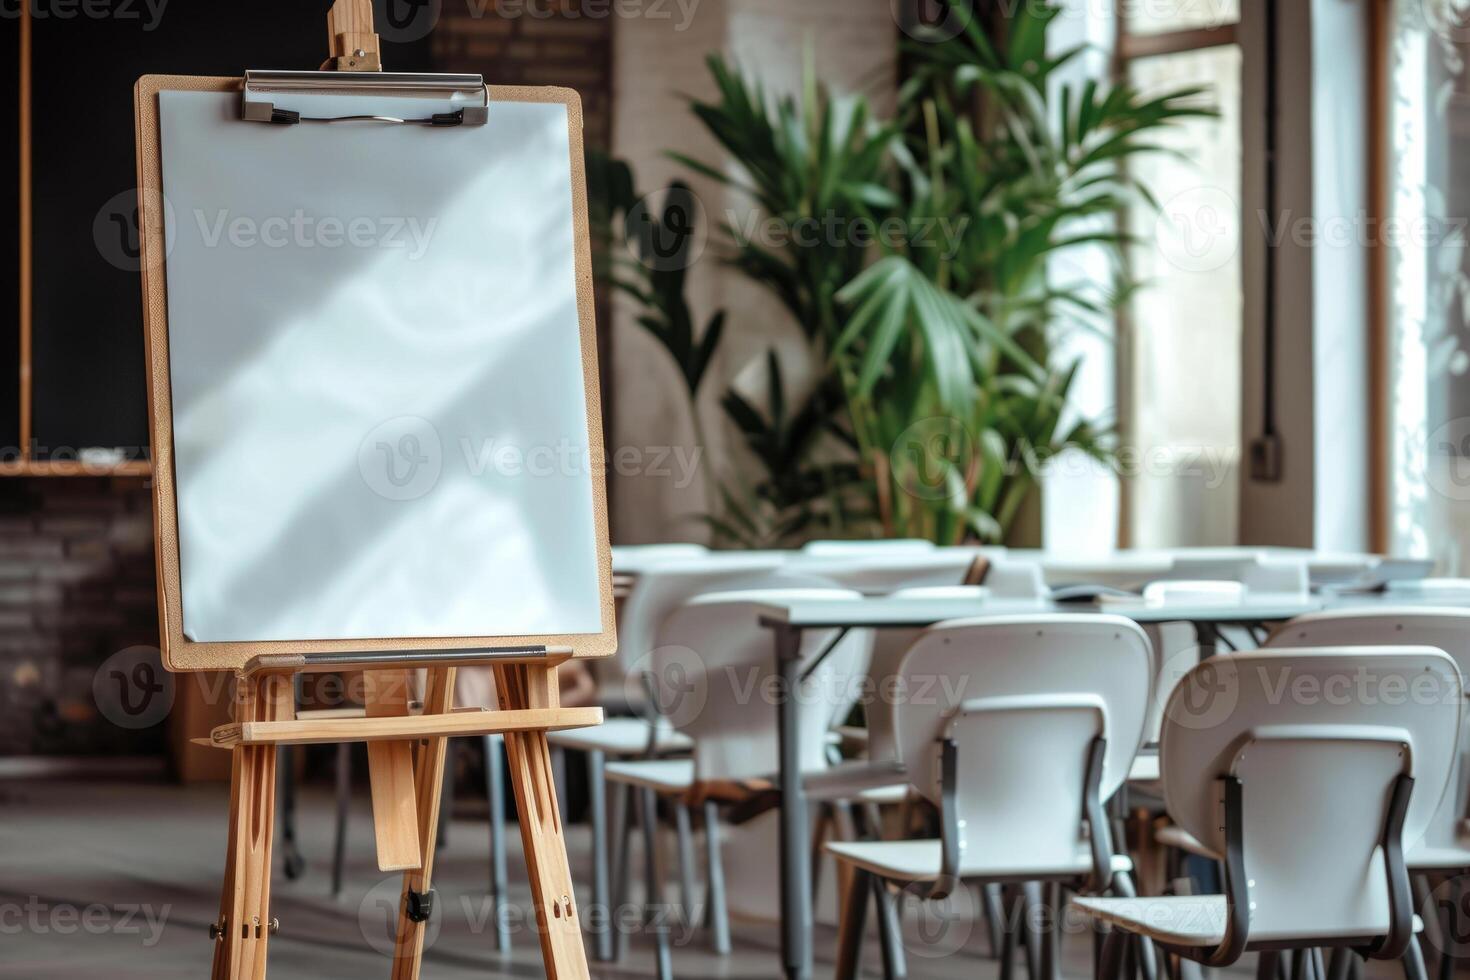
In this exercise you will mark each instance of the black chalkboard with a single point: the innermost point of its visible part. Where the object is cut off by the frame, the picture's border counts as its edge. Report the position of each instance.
(88, 365)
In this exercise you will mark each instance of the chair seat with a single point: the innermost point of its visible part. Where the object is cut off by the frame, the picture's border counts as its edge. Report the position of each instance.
(1444, 857)
(663, 776)
(1175, 836)
(1145, 769)
(919, 860)
(672, 776)
(896, 793)
(1196, 921)
(1179, 920)
(620, 737)
(1447, 857)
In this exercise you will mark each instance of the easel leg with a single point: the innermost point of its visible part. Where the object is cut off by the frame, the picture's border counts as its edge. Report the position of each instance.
(245, 922)
(408, 950)
(557, 920)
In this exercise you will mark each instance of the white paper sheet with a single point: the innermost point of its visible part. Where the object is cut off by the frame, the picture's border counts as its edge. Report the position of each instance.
(379, 414)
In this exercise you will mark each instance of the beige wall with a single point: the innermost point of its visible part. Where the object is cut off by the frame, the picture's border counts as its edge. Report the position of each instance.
(656, 65)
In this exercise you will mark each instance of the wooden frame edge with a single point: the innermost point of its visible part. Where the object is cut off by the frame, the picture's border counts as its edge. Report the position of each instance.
(183, 654)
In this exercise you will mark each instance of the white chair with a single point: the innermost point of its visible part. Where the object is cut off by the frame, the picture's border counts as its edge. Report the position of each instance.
(635, 557)
(715, 651)
(1019, 729)
(661, 588)
(1311, 797)
(1445, 846)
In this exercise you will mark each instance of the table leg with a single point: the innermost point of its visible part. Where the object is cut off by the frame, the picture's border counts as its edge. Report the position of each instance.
(796, 885)
(1207, 636)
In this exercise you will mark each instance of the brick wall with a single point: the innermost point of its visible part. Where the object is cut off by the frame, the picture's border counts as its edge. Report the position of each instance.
(534, 42)
(76, 586)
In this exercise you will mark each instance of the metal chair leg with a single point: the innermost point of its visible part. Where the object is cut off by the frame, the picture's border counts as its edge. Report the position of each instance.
(890, 932)
(688, 898)
(1110, 959)
(344, 799)
(601, 873)
(1147, 959)
(292, 863)
(1414, 962)
(719, 915)
(990, 907)
(622, 836)
(1339, 966)
(1030, 902)
(1449, 928)
(1051, 950)
(499, 876)
(654, 900)
(1009, 931)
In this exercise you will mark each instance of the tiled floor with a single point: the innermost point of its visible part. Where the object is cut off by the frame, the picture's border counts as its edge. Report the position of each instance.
(121, 880)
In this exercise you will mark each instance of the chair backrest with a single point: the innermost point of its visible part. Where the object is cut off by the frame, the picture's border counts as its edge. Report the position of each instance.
(1008, 583)
(1318, 739)
(716, 668)
(663, 587)
(1444, 629)
(1024, 698)
(1016, 580)
(876, 546)
(883, 573)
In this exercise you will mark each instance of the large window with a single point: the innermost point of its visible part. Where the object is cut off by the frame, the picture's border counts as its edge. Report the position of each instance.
(1180, 340)
(1427, 279)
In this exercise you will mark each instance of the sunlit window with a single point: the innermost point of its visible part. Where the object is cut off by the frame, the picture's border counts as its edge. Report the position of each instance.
(1180, 342)
(1428, 140)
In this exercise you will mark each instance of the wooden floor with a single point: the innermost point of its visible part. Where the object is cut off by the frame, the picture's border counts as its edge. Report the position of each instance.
(121, 881)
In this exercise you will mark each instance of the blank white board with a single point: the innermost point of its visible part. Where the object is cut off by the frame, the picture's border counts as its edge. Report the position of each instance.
(380, 421)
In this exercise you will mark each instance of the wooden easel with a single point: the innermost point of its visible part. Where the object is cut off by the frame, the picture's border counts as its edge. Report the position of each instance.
(406, 747)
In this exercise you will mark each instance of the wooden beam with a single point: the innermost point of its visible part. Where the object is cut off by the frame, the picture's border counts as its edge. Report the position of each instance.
(1380, 256)
(1132, 46)
(27, 255)
(317, 731)
(350, 37)
(390, 771)
(72, 468)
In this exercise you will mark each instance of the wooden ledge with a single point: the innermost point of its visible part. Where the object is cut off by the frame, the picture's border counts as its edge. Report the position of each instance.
(309, 731)
(411, 658)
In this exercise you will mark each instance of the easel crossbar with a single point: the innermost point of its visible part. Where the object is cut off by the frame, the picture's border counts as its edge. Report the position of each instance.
(398, 728)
